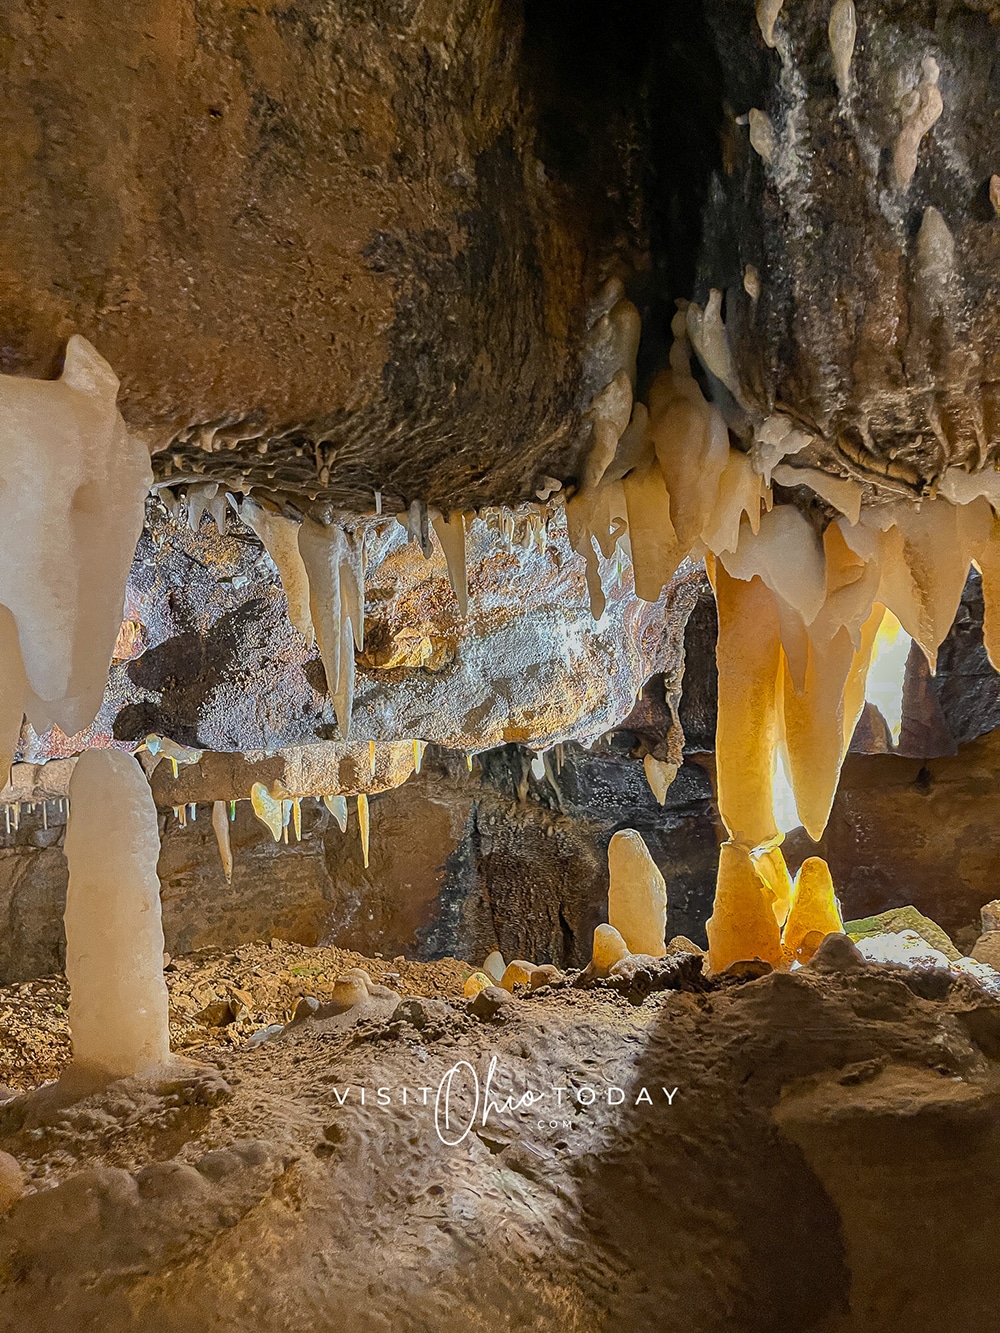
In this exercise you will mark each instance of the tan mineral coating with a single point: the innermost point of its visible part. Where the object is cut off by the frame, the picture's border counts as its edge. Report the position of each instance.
(118, 1008)
(637, 895)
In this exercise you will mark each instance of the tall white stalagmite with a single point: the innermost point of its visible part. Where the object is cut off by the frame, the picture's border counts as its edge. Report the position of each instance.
(118, 1012)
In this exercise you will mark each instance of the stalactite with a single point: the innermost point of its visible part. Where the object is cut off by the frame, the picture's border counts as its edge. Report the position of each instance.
(220, 824)
(280, 538)
(842, 31)
(267, 809)
(363, 825)
(749, 656)
(337, 806)
(118, 1011)
(451, 534)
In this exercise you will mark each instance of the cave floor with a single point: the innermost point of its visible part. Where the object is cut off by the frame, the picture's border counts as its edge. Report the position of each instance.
(817, 1153)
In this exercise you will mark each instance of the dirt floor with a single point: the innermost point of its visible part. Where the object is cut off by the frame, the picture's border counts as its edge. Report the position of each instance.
(811, 1153)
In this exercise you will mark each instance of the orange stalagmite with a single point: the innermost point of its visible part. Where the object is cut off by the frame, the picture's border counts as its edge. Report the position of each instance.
(770, 865)
(742, 924)
(749, 655)
(814, 911)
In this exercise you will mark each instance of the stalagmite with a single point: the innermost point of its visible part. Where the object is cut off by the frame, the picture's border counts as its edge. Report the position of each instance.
(337, 805)
(842, 31)
(476, 982)
(363, 825)
(637, 895)
(516, 973)
(267, 809)
(451, 534)
(769, 862)
(742, 925)
(495, 965)
(74, 487)
(118, 1011)
(659, 774)
(748, 655)
(220, 823)
(707, 330)
(814, 909)
(280, 538)
(609, 948)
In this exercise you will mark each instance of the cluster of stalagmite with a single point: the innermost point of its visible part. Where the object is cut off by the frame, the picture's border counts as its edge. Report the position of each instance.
(802, 594)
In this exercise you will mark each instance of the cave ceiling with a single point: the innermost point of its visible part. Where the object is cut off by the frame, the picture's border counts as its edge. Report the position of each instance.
(333, 250)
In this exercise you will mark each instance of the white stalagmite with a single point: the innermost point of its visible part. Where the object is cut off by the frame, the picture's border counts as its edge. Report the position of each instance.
(118, 1011)
(220, 823)
(280, 538)
(71, 512)
(637, 895)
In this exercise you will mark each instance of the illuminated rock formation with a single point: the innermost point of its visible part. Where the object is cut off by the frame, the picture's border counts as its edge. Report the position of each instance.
(637, 895)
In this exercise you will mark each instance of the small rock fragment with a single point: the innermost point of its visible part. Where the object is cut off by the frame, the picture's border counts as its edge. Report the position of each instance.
(305, 1008)
(517, 973)
(544, 975)
(349, 989)
(681, 944)
(490, 1001)
(838, 953)
(987, 949)
(265, 1034)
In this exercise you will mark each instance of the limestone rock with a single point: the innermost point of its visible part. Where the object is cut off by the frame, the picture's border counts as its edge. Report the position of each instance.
(899, 919)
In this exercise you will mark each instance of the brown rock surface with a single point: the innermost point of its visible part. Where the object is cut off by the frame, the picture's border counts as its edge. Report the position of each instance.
(767, 1134)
